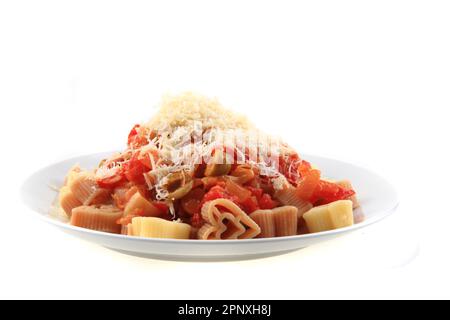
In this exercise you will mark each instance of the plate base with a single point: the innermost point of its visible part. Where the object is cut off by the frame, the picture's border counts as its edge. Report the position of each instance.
(203, 258)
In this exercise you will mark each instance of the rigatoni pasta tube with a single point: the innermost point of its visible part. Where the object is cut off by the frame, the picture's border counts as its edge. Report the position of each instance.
(83, 185)
(138, 203)
(289, 197)
(103, 218)
(278, 222)
(265, 220)
(85, 189)
(68, 201)
(338, 214)
(150, 227)
(285, 221)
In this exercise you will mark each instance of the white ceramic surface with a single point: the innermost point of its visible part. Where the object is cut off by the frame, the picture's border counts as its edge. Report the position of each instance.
(377, 197)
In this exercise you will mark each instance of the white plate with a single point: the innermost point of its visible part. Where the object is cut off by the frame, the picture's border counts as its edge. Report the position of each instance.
(377, 197)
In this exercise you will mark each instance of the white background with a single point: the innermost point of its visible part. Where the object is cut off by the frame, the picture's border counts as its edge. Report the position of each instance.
(362, 81)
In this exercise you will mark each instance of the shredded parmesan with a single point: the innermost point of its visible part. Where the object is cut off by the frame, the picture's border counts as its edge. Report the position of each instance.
(183, 109)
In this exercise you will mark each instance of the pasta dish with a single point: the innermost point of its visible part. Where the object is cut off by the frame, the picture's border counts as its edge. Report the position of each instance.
(196, 170)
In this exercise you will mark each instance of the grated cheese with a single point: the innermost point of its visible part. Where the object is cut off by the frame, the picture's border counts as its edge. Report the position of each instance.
(183, 109)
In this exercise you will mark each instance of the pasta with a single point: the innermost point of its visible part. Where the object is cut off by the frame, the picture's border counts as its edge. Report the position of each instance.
(265, 220)
(71, 174)
(288, 197)
(278, 222)
(331, 216)
(198, 171)
(86, 190)
(225, 220)
(285, 221)
(158, 228)
(103, 218)
(68, 201)
(140, 206)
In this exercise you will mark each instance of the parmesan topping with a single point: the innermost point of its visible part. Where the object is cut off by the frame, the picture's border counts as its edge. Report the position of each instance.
(183, 109)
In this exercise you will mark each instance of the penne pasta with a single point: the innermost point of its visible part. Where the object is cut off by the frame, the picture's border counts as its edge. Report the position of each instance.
(101, 218)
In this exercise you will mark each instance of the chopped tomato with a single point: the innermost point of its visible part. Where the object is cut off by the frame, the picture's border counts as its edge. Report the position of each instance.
(136, 140)
(110, 182)
(257, 192)
(197, 220)
(327, 192)
(304, 168)
(134, 170)
(218, 192)
(126, 220)
(288, 166)
(112, 178)
(308, 184)
(161, 207)
(214, 193)
(250, 205)
(191, 203)
(132, 135)
(254, 200)
(266, 202)
(144, 158)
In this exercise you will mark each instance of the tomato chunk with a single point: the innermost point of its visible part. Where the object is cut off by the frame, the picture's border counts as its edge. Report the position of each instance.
(288, 166)
(308, 184)
(134, 170)
(197, 220)
(266, 202)
(135, 139)
(111, 176)
(218, 192)
(327, 192)
(164, 208)
(250, 205)
(256, 192)
(191, 203)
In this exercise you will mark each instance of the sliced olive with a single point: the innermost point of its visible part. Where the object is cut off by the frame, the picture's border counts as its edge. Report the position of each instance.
(219, 166)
